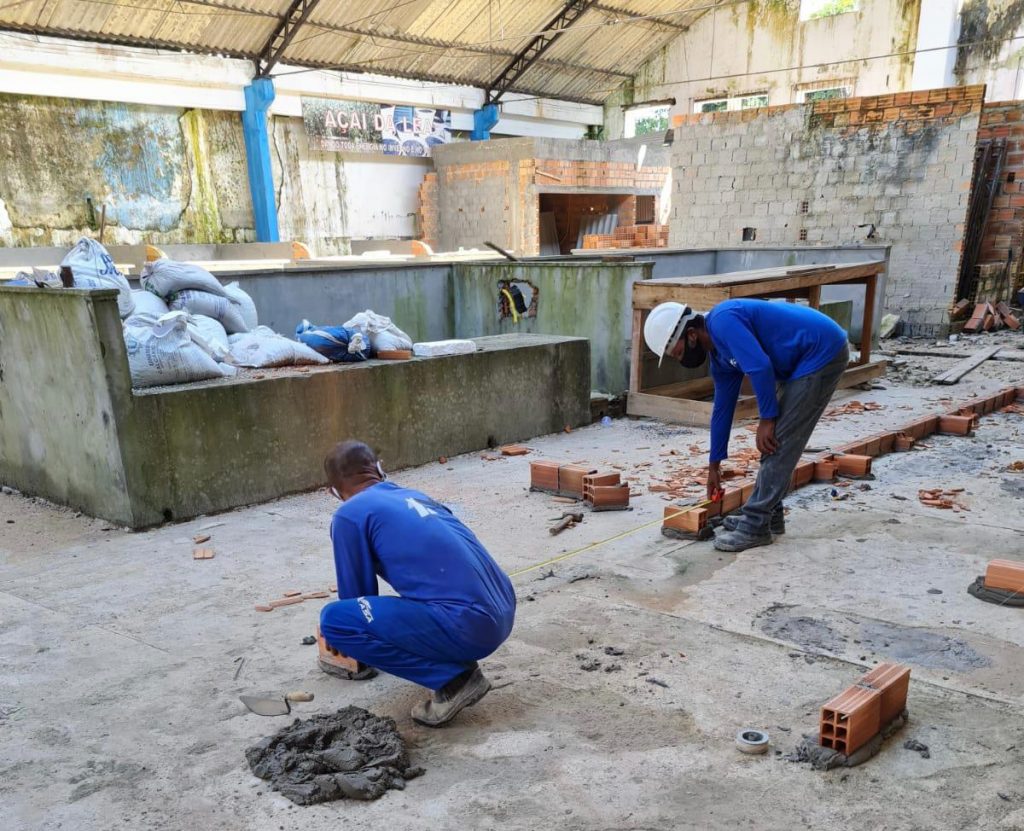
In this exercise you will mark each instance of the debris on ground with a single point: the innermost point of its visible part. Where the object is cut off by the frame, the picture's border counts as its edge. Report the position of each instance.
(514, 450)
(350, 754)
(650, 679)
(309, 640)
(199, 539)
(945, 499)
(917, 747)
(853, 408)
(202, 554)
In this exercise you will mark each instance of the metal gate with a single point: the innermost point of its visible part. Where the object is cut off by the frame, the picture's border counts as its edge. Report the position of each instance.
(989, 157)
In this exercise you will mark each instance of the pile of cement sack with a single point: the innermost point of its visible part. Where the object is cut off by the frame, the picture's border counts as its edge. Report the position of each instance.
(186, 326)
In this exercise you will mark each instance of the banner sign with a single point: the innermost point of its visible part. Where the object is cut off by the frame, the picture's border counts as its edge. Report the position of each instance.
(362, 127)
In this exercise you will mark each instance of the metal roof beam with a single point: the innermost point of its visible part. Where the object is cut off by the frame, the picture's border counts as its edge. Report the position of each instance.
(297, 14)
(528, 55)
(657, 21)
(435, 43)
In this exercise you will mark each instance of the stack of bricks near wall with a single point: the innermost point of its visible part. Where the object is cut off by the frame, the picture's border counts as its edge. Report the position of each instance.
(630, 236)
(602, 491)
(852, 460)
(430, 222)
(855, 716)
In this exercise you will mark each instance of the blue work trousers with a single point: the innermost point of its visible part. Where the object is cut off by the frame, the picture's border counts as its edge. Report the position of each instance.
(426, 643)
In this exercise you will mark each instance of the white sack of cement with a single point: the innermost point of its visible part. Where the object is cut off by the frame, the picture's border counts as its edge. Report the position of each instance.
(244, 303)
(379, 330)
(433, 349)
(165, 277)
(219, 308)
(211, 336)
(164, 353)
(92, 268)
(147, 303)
(263, 347)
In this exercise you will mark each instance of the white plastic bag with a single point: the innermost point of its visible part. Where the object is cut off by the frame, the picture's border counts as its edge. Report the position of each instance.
(209, 334)
(379, 330)
(244, 303)
(164, 353)
(210, 305)
(148, 303)
(432, 349)
(263, 347)
(165, 277)
(92, 268)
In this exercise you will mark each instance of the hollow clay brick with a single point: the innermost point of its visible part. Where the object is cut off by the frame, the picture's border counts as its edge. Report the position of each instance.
(746, 490)
(886, 442)
(873, 446)
(922, 428)
(825, 470)
(1005, 574)
(544, 476)
(851, 719)
(851, 464)
(854, 448)
(570, 480)
(802, 474)
(330, 655)
(690, 520)
(732, 500)
(609, 496)
(601, 479)
(956, 424)
(893, 682)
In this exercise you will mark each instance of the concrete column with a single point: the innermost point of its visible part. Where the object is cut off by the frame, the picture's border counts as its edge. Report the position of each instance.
(259, 95)
(939, 25)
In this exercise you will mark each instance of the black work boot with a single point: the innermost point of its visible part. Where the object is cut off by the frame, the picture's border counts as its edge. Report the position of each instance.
(463, 691)
(777, 526)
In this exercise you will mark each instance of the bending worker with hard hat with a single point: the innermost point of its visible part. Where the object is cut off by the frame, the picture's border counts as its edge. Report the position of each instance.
(796, 347)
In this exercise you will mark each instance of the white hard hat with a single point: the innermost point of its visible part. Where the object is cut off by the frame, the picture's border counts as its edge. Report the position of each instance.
(664, 327)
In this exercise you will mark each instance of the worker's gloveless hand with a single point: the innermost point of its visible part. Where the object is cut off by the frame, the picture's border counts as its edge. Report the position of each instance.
(714, 479)
(766, 442)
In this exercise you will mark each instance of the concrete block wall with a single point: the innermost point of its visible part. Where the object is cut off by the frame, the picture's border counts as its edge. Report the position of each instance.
(815, 173)
(1004, 230)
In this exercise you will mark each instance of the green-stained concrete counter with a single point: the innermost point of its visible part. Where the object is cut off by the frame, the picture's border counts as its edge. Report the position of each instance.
(72, 430)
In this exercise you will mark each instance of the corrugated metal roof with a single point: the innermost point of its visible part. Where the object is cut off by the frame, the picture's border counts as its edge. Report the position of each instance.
(450, 41)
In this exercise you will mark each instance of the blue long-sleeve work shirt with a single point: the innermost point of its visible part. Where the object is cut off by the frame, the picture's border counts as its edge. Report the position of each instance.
(770, 343)
(422, 551)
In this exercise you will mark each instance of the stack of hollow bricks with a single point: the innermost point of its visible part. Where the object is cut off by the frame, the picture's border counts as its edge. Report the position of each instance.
(430, 222)
(602, 491)
(853, 459)
(1004, 228)
(807, 171)
(855, 716)
(630, 236)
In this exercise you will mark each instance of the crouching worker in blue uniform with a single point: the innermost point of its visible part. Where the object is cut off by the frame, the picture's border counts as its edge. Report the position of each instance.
(455, 605)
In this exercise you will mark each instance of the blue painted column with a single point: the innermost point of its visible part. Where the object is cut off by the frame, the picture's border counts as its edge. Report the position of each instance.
(484, 120)
(259, 95)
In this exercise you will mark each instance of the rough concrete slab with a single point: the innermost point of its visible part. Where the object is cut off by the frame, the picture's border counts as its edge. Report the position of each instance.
(121, 657)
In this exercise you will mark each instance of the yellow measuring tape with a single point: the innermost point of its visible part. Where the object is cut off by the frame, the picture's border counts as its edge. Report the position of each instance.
(593, 545)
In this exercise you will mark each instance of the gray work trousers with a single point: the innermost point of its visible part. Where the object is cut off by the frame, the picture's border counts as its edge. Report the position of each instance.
(801, 403)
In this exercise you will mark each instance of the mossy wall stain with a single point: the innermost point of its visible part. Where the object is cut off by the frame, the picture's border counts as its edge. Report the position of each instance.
(984, 31)
(905, 39)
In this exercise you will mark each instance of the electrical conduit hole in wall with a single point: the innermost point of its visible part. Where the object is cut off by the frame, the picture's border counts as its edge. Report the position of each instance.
(516, 299)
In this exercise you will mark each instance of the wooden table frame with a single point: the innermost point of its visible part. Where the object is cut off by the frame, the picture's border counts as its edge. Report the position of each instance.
(684, 402)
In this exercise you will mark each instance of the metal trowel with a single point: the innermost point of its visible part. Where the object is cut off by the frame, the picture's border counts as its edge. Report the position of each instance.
(274, 706)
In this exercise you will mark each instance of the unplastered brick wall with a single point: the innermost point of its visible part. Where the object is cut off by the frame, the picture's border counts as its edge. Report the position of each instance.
(1004, 230)
(490, 190)
(889, 169)
(428, 228)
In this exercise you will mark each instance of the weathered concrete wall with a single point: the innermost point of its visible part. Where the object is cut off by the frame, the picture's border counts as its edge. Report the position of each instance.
(58, 408)
(171, 175)
(71, 429)
(591, 300)
(829, 171)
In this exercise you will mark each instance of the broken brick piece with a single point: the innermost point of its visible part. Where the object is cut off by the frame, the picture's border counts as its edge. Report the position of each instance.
(1007, 575)
(850, 464)
(394, 354)
(262, 607)
(199, 539)
(315, 595)
(903, 443)
(284, 601)
(957, 425)
(514, 450)
(202, 553)
(851, 719)
(544, 476)
(892, 680)
(291, 593)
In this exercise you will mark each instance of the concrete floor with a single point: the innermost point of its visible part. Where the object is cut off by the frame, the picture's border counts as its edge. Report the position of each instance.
(119, 653)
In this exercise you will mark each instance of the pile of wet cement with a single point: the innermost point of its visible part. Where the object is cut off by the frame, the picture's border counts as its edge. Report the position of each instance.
(350, 754)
